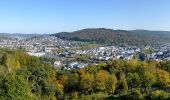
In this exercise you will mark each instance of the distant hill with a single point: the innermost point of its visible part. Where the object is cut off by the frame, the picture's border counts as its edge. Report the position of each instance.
(117, 37)
(19, 35)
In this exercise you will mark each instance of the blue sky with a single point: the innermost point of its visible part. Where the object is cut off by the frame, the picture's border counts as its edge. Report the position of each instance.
(50, 16)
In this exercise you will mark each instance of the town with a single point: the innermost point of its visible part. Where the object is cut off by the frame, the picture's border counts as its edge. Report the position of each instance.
(68, 54)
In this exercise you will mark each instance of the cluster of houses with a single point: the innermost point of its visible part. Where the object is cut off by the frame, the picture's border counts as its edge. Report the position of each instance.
(46, 46)
(159, 53)
(98, 54)
(37, 46)
(110, 52)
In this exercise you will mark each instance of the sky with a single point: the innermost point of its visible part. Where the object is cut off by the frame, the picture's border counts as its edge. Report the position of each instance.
(51, 16)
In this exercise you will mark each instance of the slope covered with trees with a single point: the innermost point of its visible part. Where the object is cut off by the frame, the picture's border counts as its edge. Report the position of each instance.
(117, 37)
(119, 79)
(25, 77)
(28, 77)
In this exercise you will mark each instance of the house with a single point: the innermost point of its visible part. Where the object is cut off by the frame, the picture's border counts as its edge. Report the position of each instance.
(75, 65)
(57, 64)
(37, 54)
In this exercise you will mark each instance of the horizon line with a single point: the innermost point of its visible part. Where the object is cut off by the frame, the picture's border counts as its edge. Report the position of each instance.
(79, 30)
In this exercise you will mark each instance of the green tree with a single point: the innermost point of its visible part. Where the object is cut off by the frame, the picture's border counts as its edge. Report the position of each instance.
(135, 94)
(111, 84)
(14, 87)
(133, 80)
(148, 79)
(72, 83)
(122, 85)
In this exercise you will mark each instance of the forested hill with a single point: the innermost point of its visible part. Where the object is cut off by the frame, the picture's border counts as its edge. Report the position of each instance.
(24, 77)
(109, 36)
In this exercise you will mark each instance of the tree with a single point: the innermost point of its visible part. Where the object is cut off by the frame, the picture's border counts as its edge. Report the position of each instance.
(119, 64)
(72, 83)
(14, 87)
(167, 67)
(39, 79)
(134, 94)
(63, 80)
(163, 78)
(59, 90)
(86, 83)
(111, 84)
(132, 65)
(134, 80)
(49, 89)
(6, 62)
(33, 62)
(159, 95)
(122, 86)
(110, 68)
(148, 79)
(57, 86)
(100, 81)
(10, 62)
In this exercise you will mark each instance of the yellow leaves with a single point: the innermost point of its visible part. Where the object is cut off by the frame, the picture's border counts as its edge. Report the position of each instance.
(105, 82)
(57, 83)
(163, 78)
(52, 78)
(132, 65)
(159, 94)
(17, 64)
(63, 80)
(118, 64)
(59, 88)
(10, 62)
(101, 76)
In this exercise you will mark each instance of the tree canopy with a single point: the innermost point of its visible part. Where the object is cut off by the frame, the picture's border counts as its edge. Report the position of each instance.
(28, 77)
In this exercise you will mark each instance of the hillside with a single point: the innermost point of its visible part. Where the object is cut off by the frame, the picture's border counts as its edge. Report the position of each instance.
(117, 37)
